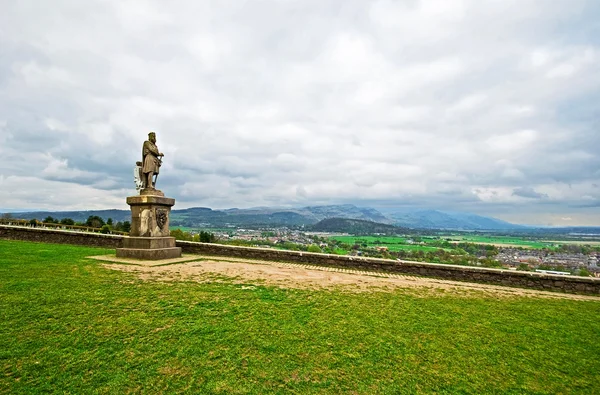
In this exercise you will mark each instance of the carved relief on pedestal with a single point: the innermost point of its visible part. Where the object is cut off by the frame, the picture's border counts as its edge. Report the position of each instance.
(162, 218)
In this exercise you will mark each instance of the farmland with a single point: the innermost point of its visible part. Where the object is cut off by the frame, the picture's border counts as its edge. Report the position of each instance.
(428, 243)
(391, 242)
(502, 241)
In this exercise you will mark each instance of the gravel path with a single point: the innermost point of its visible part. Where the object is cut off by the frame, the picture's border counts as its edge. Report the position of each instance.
(293, 275)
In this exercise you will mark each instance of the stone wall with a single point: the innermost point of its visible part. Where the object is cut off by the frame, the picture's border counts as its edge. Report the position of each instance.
(547, 282)
(42, 235)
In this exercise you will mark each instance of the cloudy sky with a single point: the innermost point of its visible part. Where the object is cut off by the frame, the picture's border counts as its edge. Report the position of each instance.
(483, 106)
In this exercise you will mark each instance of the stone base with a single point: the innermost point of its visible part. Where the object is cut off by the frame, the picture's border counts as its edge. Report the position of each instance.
(140, 262)
(151, 192)
(150, 215)
(149, 248)
(148, 242)
(152, 254)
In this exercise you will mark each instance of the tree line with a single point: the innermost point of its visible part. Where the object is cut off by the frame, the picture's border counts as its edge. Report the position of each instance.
(93, 221)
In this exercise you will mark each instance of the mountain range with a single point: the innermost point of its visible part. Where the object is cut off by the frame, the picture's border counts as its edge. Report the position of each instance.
(305, 216)
(434, 219)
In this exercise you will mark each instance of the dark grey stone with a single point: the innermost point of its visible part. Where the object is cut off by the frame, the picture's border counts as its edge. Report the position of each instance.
(150, 254)
(148, 242)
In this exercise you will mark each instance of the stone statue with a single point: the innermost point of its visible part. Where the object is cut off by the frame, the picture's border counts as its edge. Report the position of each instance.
(151, 161)
(149, 237)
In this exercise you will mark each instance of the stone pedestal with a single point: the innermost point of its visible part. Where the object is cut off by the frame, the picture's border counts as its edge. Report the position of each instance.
(149, 238)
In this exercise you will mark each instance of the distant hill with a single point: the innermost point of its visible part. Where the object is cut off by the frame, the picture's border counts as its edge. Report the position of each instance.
(355, 227)
(196, 217)
(434, 219)
(268, 216)
(205, 217)
(343, 211)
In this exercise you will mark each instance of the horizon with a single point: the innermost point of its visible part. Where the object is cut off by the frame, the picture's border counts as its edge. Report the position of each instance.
(453, 105)
(290, 208)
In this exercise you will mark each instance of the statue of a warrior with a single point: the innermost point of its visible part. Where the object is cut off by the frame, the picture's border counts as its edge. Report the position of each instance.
(150, 165)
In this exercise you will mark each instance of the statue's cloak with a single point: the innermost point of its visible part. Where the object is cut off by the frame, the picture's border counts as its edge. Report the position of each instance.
(150, 155)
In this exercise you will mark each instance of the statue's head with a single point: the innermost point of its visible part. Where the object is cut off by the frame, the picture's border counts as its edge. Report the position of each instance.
(152, 136)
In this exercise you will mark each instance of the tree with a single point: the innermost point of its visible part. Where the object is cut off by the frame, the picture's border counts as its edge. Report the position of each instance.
(181, 235)
(33, 222)
(94, 221)
(207, 237)
(50, 220)
(126, 226)
(105, 229)
(67, 221)
(109, 222)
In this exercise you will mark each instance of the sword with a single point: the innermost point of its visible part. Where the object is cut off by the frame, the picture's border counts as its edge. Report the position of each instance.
(159, 164)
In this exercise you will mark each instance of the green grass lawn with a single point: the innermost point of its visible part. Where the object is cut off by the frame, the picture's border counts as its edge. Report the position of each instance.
(69, 325)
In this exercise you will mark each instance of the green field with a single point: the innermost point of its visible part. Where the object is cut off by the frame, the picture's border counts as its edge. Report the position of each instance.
(393, 243)
(197, 229)
(69, 325)
(503, 240)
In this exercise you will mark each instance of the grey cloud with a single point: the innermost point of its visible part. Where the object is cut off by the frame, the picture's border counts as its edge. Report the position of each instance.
(528, 193)
(587, 205)
(313, 101)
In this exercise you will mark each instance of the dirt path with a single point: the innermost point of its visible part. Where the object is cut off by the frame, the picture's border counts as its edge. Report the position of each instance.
(290, 275)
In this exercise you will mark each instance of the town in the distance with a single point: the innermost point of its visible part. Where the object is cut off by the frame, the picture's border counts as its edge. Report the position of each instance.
(412, 235)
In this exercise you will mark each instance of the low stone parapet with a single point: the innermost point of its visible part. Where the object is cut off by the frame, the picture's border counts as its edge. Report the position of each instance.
(42, 235)
(511, 278)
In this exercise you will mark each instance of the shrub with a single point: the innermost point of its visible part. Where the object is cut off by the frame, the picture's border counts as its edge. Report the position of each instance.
(314, 248)
(584, 272)
(523, 267)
